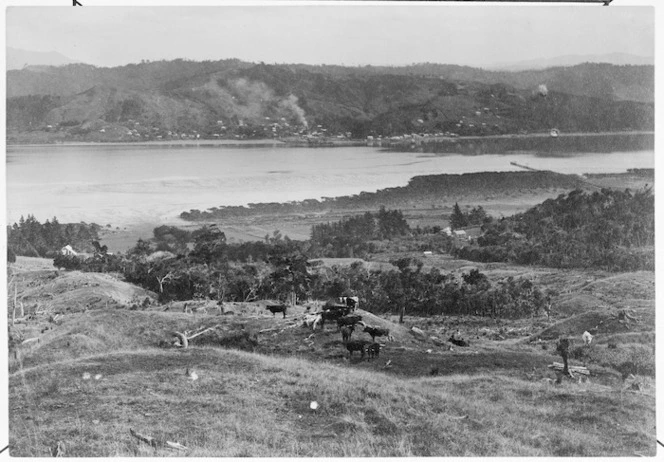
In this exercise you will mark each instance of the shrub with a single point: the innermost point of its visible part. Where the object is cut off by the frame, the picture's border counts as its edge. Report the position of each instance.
(68, 262)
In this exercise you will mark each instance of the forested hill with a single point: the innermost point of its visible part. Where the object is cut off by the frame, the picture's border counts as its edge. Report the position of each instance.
(231, 98)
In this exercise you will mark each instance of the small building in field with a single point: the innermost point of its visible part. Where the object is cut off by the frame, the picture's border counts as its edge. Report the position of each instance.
(67, 250)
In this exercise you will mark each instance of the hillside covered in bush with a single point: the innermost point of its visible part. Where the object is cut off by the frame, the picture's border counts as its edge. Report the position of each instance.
(233, 99)
(608, 229)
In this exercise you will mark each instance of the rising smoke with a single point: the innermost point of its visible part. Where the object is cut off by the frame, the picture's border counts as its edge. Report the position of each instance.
(255, 100)
(290, 103)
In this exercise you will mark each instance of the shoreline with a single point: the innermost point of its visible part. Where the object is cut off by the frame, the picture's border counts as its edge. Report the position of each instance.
(419, 207)
(188, 143)
(324, 142)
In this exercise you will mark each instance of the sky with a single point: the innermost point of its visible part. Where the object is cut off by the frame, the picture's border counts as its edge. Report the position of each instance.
(350, 34)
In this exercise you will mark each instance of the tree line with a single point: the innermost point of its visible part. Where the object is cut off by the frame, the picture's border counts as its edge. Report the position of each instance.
(31, 238)
(607, 229)
(280, 269)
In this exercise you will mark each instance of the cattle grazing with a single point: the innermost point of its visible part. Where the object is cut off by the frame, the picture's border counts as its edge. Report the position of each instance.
(350, 302)
(373, 350)
(458, 342)
(377, 332)
(587, 338)
(346, 332)
(356, 345)
(349, 320)
(277, 309)
(333, 314)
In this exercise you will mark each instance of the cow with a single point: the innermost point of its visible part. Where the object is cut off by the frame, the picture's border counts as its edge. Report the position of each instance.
(349, 320)
(346, 332)
(277, 309)
(377, 332)
(350, 302)
(373, 350)
(356, 345)
(333, 313)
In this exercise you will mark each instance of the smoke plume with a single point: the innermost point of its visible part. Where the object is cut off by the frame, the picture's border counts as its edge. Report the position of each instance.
(291, 104)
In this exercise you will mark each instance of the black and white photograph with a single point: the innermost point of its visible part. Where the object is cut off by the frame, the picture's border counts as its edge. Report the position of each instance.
(329, 229)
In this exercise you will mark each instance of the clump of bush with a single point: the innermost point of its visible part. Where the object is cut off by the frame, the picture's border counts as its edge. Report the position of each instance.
(608, 229)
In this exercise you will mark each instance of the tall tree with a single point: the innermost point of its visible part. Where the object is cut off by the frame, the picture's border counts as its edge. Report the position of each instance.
(458, 219)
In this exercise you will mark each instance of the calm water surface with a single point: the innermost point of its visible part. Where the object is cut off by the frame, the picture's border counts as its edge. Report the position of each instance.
(125, 184)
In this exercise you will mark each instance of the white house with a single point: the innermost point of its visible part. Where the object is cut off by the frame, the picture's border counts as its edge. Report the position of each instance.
(67, 250)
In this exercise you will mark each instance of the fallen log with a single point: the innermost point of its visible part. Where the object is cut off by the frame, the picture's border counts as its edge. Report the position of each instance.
(202, 332)
(418, 332)
(173, 445)
(574, 369)
(184, 337)
(146, 439)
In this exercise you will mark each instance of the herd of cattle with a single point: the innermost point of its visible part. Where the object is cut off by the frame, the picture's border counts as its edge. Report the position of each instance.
(341, 311)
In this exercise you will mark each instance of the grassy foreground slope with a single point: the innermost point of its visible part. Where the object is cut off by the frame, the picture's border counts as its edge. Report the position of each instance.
(98, 371)
(245, 404)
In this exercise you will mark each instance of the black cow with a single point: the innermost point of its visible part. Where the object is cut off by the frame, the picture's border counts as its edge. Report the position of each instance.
(333, 314)
(376, 332)
(346, 332)
(349, 320)
(350, 302)
(373, 350)
(356, 345)
(277, 309)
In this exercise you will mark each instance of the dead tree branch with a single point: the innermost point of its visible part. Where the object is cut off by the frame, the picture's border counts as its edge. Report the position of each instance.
(185, 338)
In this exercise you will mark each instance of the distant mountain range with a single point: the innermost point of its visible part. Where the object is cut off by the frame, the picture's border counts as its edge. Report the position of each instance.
(18, 59)
(232, 98)
(620, 59)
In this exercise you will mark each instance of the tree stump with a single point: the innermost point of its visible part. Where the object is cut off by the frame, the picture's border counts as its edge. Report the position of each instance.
(562, 348)
(184, 341)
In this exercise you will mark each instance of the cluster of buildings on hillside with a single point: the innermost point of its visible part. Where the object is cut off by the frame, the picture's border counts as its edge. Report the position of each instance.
(479, 121)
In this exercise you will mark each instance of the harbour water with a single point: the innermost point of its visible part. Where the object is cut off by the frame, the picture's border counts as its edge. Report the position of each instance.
(122, 184)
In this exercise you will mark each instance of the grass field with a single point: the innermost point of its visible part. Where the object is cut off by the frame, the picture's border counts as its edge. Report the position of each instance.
(97, 371)
(246, 404)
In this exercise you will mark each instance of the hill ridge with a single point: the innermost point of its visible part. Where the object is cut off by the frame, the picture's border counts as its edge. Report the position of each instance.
(231, 98)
